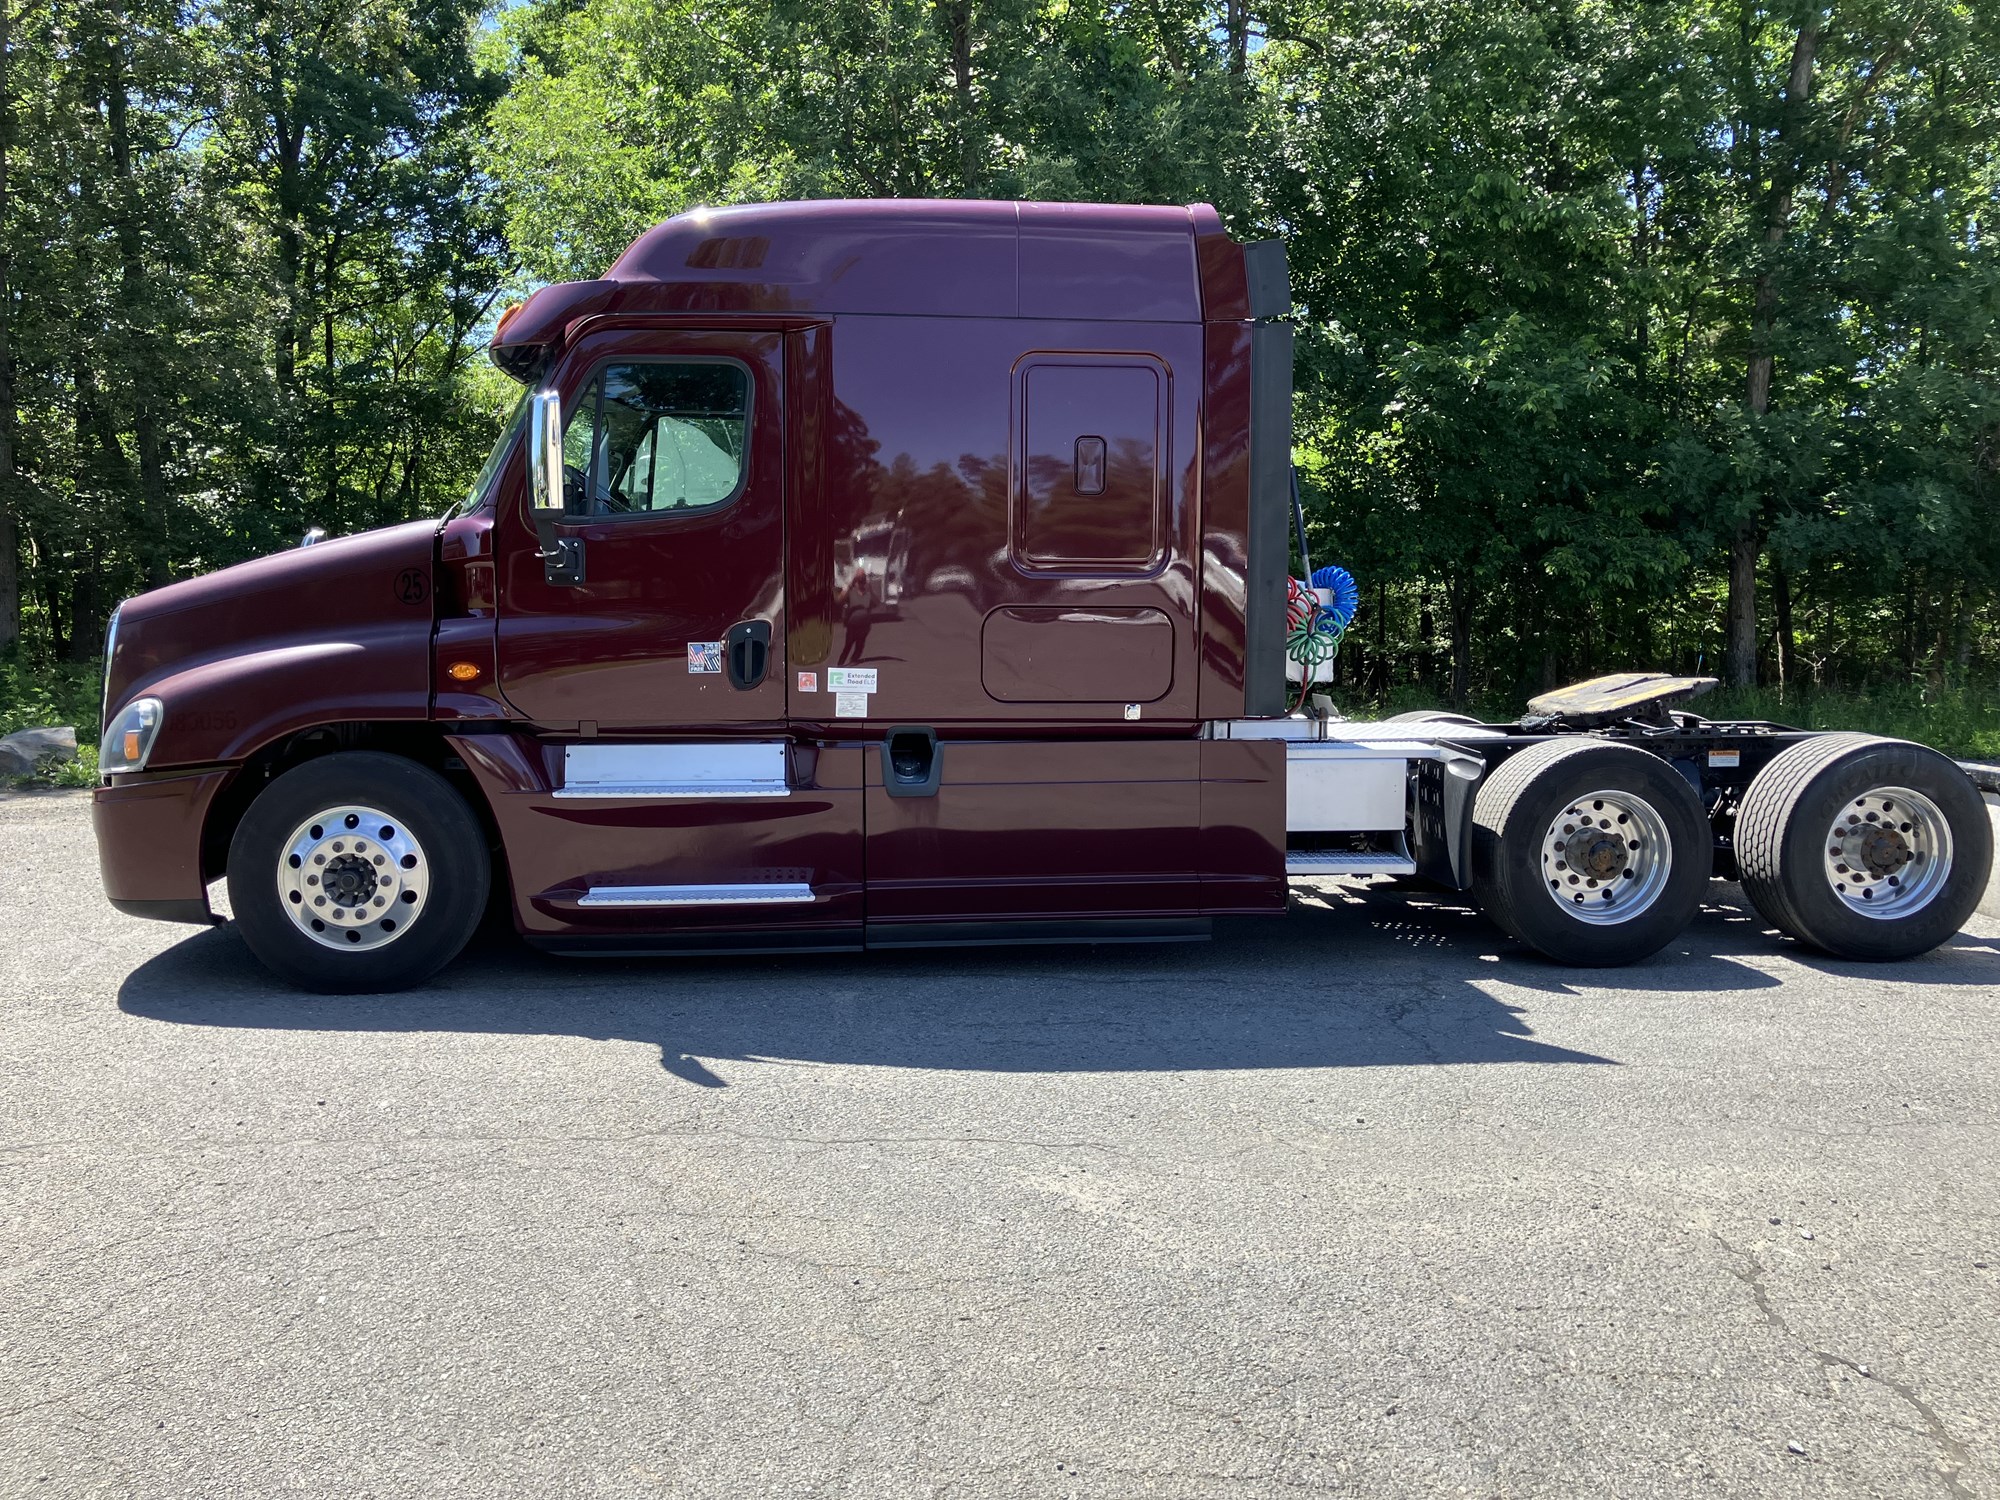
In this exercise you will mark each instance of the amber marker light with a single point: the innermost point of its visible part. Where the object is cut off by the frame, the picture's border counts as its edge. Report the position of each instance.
(506, 318)
(462, 671)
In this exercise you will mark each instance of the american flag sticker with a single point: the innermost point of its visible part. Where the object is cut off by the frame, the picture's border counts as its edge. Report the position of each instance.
(704, 656)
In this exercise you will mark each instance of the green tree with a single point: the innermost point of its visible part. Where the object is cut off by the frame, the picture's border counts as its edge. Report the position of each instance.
(623, 111)
(341, 136)
(1660, 334)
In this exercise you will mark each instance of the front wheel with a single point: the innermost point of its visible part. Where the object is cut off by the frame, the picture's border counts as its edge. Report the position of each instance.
(1862, 847)
(358, 873)
(1590, 852)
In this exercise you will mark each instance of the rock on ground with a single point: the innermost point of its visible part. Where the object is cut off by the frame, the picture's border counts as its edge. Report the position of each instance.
(27, 750)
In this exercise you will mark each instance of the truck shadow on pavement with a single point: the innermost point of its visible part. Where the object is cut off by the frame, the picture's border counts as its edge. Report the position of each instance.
(1389, 978)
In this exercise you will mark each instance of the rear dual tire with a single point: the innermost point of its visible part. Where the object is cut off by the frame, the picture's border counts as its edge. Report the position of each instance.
(1591, 853)
(1864, 848)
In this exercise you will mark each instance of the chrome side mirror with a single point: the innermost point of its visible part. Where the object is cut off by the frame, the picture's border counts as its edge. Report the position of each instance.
(313, 536)
(562, 557)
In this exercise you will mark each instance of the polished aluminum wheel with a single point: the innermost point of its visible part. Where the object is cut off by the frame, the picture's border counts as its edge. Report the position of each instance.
(1606, 857)
(1888, 852)
(353, 877)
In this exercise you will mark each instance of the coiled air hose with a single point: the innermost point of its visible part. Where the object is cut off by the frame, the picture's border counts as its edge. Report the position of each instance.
(1313, 629)
(1346, 593)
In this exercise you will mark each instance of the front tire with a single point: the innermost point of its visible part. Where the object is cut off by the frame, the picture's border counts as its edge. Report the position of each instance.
(1591, 853)
(358, 873)
(1862, 847)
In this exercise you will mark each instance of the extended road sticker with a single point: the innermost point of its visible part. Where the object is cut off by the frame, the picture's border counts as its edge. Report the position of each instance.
(704, 656)
(850, 679)
(849, 705)
(808, 682)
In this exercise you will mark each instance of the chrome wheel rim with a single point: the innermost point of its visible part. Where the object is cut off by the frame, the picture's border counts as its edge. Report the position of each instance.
(1606, 857)
(1887, 853)
(353, 878)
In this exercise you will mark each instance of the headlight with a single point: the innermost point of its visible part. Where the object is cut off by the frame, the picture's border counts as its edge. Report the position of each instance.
(129, 739)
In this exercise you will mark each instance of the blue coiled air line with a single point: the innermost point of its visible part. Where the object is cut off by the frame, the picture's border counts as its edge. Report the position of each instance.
(1346, 595)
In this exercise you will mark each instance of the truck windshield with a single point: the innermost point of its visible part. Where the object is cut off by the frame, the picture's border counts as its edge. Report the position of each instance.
(492, 465)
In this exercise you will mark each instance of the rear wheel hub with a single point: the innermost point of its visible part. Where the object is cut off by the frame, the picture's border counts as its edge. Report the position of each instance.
(1606, 857)
(1888, 852)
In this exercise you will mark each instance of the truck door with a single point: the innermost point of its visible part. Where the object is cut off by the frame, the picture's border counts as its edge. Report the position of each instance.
(673, 484)
(668, 801)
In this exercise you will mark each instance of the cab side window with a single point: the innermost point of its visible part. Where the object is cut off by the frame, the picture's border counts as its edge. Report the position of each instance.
(657, 437)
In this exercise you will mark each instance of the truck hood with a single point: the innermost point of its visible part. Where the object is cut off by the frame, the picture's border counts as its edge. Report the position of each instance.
(345, 590)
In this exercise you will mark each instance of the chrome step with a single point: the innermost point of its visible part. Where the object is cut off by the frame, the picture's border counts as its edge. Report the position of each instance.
(764, 894)
(634, 789)
(1330, 862)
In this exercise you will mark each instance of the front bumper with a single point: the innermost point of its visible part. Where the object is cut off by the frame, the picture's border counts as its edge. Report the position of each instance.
(149, 844)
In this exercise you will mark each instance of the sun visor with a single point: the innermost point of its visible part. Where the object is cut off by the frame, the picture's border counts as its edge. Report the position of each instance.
(529, 330)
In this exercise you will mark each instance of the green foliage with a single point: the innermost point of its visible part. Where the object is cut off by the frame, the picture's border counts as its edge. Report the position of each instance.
(1592, 298)
(1540, 252)
(1962, 723)
(34, 694)
(248, 259)
(41, 693)
(620, 112)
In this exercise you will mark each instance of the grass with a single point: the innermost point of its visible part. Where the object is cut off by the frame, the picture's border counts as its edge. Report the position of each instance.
(1962, 722)
(81, 772)
(33, 694)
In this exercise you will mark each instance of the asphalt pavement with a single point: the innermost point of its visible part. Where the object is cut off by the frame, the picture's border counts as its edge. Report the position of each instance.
(1366, 1202)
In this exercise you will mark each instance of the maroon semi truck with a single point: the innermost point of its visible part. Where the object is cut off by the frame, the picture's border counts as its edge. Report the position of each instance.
(885, 573)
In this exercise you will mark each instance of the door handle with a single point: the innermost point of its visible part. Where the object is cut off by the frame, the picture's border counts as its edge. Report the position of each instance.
(748, 649)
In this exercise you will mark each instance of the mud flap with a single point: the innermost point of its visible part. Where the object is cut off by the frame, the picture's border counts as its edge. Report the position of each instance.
(1441, 795)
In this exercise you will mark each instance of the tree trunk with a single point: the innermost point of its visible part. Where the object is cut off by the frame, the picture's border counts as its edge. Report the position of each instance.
(1743, 550)
(294, 320)
(330, 499)
(1642, 230)
(86, 630)
(1426, 636)
(52, 607)
(1909, 632)
(1788, 643)
(1748, 540)
(10, 537)
(111, 473)
(137, 342)
(1461, 643)
(1382, 634)
(957, 18)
